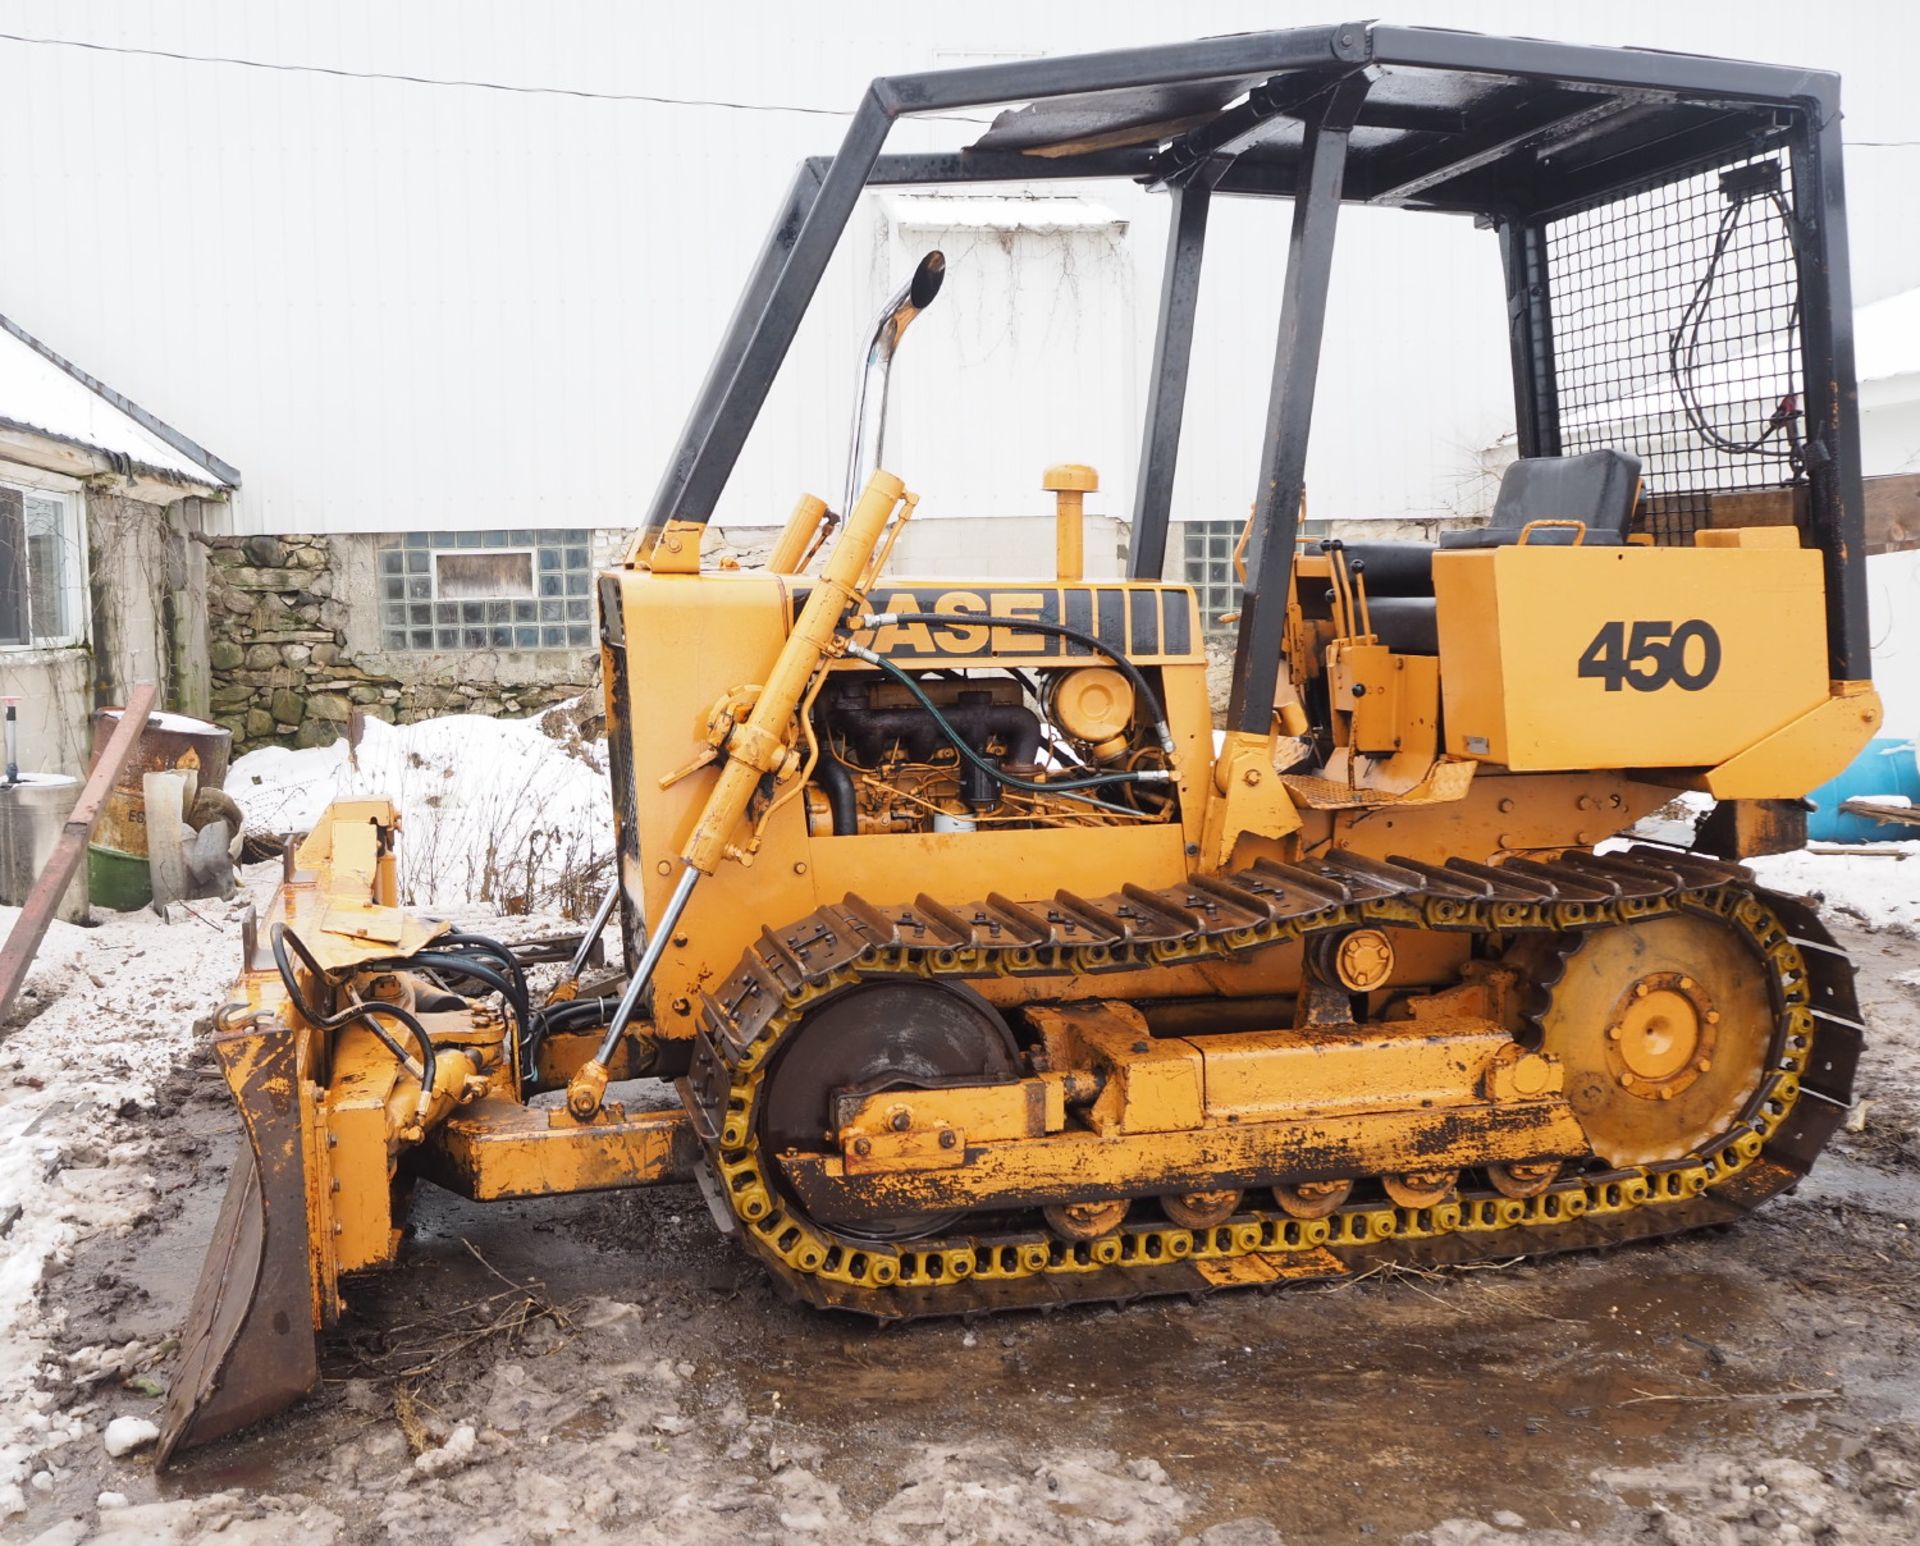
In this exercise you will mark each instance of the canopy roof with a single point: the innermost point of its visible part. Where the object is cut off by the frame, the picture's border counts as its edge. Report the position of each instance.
(1452, 120)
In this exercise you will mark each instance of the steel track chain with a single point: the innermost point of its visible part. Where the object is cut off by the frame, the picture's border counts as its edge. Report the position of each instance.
(1264, 905)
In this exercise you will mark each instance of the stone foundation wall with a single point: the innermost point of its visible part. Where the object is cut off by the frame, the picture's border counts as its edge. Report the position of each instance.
(282, 672)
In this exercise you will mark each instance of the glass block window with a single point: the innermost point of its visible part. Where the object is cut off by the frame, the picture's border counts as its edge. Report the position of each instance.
(1208, 567)
(486, 590)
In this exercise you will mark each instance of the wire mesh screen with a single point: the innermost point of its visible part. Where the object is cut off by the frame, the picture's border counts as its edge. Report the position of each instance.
(1676, 338)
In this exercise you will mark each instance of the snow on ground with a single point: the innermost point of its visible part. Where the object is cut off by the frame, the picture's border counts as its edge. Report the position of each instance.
(1877, 884)
(497, 813)
(1880, 886)
(492, 810)
(113, 1013)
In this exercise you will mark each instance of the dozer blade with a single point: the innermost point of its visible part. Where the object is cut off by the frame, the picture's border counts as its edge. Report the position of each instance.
(248, 1348)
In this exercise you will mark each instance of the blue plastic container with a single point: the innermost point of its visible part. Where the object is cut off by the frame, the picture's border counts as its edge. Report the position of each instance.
(1887, 766)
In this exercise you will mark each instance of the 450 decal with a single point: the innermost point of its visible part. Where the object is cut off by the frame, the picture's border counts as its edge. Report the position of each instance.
(1654, 655)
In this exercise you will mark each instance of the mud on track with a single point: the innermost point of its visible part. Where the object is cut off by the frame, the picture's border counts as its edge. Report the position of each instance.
(610, 1368)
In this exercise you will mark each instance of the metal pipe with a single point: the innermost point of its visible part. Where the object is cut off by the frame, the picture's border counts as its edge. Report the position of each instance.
(1070, 483)
(13, 747)
(796, 541)
(870, 400)
(588, 939)
(590, 1083)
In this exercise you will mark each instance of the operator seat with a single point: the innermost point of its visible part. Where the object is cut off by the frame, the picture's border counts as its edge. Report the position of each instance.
(1597, 487)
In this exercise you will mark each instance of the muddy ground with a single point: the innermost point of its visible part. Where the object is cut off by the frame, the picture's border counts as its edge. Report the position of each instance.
(609, 1368)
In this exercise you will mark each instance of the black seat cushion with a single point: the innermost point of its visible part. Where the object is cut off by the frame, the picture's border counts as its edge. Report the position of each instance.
(1393, 568)
(1598, 488)
(1407, 625)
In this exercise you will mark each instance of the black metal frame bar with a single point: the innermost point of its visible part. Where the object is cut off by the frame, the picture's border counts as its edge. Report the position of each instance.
(1210, 148)
(1719, 105)
(1296, 370)
(1836, 505)
(1536, 402)
(1167, 391)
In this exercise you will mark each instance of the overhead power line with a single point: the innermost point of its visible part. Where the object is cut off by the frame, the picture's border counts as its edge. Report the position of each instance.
(510, 87)
(518, 89)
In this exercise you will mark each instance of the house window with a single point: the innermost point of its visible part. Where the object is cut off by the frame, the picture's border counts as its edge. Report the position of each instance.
(486, 590)
(43, 575)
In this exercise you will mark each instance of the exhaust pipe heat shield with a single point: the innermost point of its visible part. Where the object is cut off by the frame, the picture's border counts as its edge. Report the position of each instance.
(876, 369)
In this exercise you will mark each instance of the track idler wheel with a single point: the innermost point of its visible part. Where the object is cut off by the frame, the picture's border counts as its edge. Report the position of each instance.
(886, 1033)
(1078, 1221)
(1201, 1210)
(1421, 1188)
(1523, 1179)
(1312, 1199)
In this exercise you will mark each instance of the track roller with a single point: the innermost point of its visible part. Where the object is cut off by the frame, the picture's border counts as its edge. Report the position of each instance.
(1201, 1210)
(1312, 1199)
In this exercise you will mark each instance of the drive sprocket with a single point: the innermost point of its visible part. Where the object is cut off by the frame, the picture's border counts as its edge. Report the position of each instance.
(1666, 1028)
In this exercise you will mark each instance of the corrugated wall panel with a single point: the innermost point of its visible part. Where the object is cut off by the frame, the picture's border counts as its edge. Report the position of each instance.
(397, 305)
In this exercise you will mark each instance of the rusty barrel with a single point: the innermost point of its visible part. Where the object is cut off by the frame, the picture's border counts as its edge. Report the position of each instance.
(117, 871)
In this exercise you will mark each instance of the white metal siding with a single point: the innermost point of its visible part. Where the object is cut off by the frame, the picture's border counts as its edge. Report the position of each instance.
(396, 305)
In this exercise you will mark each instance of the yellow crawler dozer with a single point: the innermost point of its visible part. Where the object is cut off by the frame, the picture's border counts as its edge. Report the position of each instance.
(989, 970)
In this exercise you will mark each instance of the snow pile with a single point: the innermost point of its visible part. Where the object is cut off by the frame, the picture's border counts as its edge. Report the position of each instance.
(1880, 887)
(1877, 885)
(492, 810)
(120, 1004)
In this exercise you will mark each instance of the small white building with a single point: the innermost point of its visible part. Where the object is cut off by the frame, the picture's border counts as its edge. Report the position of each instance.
(1886, 338)
(101, 584)
(1886, 341)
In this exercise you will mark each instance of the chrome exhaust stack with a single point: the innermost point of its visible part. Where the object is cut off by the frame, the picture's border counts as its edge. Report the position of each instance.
(870, 402)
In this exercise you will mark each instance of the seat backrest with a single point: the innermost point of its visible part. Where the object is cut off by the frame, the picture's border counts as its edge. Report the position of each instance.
(1598, 487)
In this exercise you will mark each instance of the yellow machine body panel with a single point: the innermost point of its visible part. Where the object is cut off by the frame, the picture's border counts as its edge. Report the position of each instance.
(1562, 658)
(730, 625)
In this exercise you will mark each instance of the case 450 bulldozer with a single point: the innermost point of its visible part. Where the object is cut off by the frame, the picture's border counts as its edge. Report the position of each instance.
(989, 971)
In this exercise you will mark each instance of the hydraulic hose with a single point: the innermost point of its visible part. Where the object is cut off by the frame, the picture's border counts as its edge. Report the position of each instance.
(576, 1012)
(366, 1011)
(568, 1015)
(451, 965)
(474, 967)
(556, 1019)
(831, 774)
(986, 764)
(485, 945)
(1033, 625)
